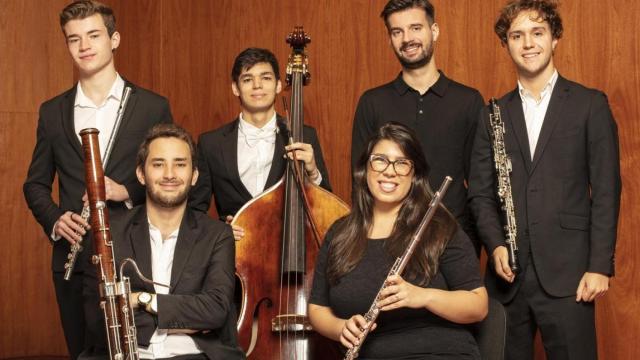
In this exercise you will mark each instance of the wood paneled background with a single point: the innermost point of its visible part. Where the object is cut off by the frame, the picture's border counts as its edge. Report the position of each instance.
(184, 50)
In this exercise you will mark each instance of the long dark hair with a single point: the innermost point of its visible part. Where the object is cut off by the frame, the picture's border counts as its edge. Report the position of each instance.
(350, 240)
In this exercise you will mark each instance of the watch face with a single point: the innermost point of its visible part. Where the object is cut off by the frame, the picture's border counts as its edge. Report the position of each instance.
(144, 298)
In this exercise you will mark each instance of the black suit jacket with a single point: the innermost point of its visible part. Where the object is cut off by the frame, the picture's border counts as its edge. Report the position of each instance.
(218, 167)
(566, 199)
(59, 152)
(201, 289)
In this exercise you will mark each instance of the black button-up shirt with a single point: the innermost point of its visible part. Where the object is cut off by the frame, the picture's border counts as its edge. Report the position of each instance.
(444, 120)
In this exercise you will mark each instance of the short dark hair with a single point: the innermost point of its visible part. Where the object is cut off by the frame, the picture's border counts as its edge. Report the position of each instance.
(251, 56)
(547, 11)
(394, 6)
(82, 9)
(165, 131)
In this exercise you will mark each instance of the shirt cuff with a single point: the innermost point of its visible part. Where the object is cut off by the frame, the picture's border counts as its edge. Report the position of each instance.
(318, 180)
(154, 304)
(129, 204)
(54, 236)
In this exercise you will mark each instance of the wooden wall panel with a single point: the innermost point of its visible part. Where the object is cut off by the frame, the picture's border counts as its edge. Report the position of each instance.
(34, 66)
(184, 50)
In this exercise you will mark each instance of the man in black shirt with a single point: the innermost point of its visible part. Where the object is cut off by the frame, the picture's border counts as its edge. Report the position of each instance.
(442, 112)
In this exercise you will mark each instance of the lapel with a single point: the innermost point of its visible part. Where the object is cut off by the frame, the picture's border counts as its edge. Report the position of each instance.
(68, 120)
(519, 126)
(187, 238)
(230, 158)
(278, 162)
(551, 118)
(122, 129)
(141, 245)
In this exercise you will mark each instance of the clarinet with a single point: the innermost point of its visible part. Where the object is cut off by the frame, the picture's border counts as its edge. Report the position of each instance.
(76, 248)
(503, 167)
(114, 295)
(400, 264)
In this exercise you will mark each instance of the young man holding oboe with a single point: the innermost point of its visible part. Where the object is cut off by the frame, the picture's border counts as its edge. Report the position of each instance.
(97, 101)
(563, 144)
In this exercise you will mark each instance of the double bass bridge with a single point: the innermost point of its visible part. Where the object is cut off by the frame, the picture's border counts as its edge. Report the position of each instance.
(291, 323)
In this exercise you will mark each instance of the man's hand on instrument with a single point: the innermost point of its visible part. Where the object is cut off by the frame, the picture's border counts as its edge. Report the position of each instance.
(71, 226)
(501, 263)
(304, 152)
(238, 232)
(400, 293)
(113, 192)
(592, 286)
(352, 330)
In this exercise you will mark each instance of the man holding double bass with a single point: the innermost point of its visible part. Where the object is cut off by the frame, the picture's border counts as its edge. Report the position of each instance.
(244, 157)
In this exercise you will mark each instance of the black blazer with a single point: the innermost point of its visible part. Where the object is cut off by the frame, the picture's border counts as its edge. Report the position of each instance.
(59, 152)
(566, 200)
(201, 289)
(218, 167)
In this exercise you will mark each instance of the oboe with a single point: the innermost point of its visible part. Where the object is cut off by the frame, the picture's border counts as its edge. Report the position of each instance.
(114, 295)
(77, 247)
(503, 167)
(400, 264)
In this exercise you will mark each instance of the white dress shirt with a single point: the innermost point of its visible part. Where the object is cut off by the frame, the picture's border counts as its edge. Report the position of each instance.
(163, 345)
(536, 109)
(256, 147)
(87, 114)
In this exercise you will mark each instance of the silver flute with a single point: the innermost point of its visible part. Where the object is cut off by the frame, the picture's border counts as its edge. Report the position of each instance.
(399, 265)
(76, 248)
(503, 167)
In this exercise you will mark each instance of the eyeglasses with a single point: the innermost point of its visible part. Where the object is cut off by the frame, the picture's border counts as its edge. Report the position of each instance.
(380, 163)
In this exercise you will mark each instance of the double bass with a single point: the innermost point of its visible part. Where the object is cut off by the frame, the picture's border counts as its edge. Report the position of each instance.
(276, 257)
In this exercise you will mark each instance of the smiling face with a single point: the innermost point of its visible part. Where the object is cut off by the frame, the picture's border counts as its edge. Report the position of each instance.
(411, 37)
(168, 173)
(257, 88)
(387, 187)
(530, 44)
(90, 45)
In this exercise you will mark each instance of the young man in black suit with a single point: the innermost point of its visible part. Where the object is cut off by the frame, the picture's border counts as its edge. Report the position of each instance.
(91, 38)
(442, 112)
(246, 156)
(563, 144)
(192, 318)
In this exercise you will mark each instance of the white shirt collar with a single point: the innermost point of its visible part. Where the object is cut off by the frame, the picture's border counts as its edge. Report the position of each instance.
(547, 89)
(115, 92)
(156, 232)
(247, 128)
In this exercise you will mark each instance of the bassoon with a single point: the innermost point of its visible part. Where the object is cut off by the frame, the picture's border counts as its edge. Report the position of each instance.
(114, 295)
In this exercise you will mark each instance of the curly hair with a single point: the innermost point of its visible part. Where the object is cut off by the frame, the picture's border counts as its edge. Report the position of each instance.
(547, 11)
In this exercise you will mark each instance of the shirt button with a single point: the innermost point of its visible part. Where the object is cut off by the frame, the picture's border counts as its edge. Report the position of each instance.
(420, 112)
(420, 99)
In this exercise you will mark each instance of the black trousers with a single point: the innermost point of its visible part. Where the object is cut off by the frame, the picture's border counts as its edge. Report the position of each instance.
(71, 307)
(567, 327)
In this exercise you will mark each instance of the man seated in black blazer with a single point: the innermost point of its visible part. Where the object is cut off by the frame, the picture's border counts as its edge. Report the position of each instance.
(192, 318)
(89, 30)
(563, 144)
(246, 156)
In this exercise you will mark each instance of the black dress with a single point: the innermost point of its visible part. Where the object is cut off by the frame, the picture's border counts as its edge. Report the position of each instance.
(402, 333)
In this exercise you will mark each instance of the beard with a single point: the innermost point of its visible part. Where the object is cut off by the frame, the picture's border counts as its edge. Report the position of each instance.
(421, 61)
(168, 201)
